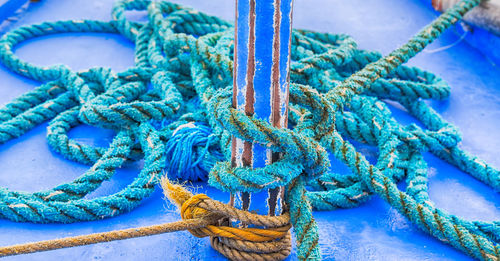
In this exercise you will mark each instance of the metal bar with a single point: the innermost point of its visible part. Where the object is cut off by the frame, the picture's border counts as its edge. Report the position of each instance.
(261, 76)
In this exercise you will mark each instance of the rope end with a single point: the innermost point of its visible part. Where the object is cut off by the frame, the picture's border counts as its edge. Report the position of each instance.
(176, 193)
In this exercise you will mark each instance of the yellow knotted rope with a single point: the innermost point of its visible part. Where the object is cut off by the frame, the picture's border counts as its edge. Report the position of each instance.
(202, 217)
(237, 243)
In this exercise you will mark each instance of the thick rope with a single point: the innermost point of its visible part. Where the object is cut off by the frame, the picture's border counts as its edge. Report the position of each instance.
(183, 78)
(200, 216)
(105, 237)
(236, 243)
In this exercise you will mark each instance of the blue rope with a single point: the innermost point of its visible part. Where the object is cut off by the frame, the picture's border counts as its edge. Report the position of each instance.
(192, 152)
(184, 122)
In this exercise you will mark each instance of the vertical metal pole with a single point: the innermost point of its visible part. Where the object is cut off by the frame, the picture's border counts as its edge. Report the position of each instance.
(261, 76)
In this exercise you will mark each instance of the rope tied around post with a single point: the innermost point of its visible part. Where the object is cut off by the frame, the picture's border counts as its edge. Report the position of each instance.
(237, 243)
(202, 217)
(183, 74)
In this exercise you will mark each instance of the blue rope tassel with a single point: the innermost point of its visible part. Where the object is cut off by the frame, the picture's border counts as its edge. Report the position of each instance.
(191, 152)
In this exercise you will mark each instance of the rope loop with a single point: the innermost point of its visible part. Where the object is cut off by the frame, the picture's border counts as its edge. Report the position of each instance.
(182, 77)
(236, 243)
(301, 154)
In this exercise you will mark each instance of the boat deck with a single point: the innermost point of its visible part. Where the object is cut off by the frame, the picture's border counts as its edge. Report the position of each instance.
(374, 231)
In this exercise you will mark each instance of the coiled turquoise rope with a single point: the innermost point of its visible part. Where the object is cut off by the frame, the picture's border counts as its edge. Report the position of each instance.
(186, 57)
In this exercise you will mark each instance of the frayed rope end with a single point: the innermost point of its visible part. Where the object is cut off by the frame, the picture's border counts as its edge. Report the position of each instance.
(176, 193)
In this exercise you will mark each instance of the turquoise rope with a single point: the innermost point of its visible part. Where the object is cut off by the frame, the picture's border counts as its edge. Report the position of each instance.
(183, 124)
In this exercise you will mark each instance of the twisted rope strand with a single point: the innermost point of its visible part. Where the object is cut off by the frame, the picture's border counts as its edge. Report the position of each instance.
(96, 238)
(182, 79)
(200, 215)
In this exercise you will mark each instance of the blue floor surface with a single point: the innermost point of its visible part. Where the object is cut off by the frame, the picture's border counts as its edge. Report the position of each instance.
(374, 231)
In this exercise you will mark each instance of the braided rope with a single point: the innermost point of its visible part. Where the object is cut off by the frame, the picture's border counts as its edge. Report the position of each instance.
(95, 238)
(236, 243)
(183, 74)
(201, 216)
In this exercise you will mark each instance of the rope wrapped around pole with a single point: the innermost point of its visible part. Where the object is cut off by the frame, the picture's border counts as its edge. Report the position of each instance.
(182, 81)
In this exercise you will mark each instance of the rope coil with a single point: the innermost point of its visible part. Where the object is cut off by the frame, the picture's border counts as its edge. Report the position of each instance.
(201, 217)
(236, 243)
(183, 74)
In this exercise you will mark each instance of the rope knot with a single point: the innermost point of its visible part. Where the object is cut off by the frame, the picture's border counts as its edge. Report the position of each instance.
(190, 210)
(240, 243)
(302, 154)
(192, 150)
(188, 205)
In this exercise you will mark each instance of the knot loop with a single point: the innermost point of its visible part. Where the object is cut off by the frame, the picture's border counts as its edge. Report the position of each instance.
(183, 67)
(301, 153)
(237, 243)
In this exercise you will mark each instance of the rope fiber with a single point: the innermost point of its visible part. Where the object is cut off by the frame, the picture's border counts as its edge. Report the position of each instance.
(173, 109)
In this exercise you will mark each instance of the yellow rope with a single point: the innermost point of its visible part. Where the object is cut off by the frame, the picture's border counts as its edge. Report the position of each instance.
(189, 205)
(200, 216)
(104, 237)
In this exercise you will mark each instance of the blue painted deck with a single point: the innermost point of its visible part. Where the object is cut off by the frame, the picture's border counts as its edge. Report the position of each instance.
(8, 7)
(374, 231)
